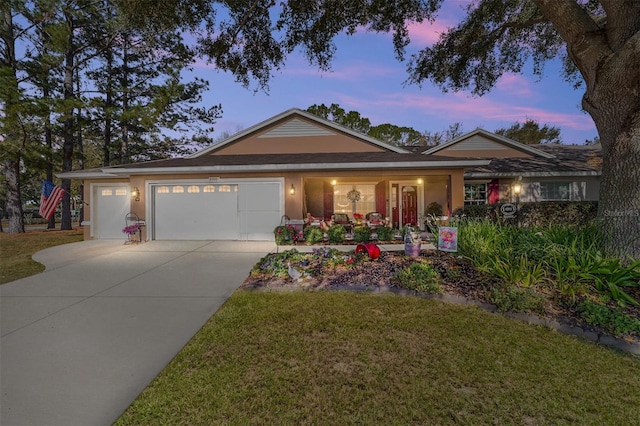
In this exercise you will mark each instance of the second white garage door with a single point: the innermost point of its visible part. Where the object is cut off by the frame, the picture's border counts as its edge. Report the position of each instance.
(216, 211)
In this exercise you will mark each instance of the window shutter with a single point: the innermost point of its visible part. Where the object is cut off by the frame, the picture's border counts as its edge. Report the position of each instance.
(494, 192)
(381, 198)
(328, 200)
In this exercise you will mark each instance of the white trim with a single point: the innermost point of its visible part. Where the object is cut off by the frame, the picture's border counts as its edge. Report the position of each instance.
(307, 115)
(497, 138)
(80, 174)
(419, 189)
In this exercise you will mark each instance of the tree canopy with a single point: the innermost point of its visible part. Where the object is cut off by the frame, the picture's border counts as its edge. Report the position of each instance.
(530, 132)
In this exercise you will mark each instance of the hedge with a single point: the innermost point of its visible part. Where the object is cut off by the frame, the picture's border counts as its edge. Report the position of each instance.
(539, 214)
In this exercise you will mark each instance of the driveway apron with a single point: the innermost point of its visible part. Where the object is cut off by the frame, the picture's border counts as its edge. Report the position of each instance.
(81, 340)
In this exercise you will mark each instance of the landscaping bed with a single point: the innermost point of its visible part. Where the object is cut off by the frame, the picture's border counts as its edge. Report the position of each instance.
(438, 273)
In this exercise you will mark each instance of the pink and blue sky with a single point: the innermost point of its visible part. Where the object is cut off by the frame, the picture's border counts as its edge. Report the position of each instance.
(366, 77)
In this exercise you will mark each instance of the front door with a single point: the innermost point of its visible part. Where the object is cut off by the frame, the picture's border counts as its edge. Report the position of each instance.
(409, 205)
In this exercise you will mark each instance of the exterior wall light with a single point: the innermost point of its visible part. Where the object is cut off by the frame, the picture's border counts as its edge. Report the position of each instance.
(292, 190)
(135, 193)
(517, 188)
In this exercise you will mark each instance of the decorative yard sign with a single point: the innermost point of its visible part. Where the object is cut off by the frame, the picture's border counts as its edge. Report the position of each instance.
(508, 210)
(447, 238)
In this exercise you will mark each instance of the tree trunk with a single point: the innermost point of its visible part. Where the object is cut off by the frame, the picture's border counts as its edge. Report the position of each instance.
(608, 57)
(619, 206)
(10, 144)
(48, 136)
(14, 204)
(616, 112)
(124, 124)
(68, 128)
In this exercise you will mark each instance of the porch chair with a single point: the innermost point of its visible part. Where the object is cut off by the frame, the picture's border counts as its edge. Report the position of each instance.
(375, 220)
(342, 219)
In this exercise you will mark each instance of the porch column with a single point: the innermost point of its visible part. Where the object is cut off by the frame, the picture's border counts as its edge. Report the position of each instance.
(456, 190)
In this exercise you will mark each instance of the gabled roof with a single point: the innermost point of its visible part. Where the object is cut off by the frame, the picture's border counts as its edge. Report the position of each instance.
(493, 137)
(297, 127)
(567, 160)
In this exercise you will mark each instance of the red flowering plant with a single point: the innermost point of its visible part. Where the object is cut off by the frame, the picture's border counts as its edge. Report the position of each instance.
(358, 216)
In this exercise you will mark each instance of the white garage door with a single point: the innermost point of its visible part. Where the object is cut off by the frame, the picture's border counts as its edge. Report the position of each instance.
(112, 205)
(216, 211)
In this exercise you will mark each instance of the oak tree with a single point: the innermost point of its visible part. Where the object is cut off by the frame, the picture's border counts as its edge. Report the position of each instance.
(599, 42)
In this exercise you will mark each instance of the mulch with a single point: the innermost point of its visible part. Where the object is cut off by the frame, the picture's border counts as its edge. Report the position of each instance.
(459, 278)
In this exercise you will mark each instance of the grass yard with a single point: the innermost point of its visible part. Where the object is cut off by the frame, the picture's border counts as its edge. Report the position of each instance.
(352, 358)
(16, 251)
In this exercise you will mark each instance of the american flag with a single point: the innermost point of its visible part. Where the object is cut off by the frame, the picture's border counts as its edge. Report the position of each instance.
(49, 199)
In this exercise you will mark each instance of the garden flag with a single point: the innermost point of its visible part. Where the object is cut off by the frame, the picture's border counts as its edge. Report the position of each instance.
(49, 199)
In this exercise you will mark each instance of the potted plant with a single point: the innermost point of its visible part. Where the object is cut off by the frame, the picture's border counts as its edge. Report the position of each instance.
(358, 217)
(282, 234)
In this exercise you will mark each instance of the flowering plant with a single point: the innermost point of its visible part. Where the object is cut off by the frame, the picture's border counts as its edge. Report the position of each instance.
(358, 216)
(287, 234)
(131, 229)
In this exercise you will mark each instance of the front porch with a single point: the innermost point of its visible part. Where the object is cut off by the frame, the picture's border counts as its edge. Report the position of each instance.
(401, 199)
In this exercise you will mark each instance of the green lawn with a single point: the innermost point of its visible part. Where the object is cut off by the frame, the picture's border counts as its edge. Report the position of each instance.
(16, 251)
(347, 358)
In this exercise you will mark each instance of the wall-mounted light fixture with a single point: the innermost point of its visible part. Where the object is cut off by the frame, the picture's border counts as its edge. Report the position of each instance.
(517, 188)
(334, 182)
(292, 190)
(420, 181)
(135, 193)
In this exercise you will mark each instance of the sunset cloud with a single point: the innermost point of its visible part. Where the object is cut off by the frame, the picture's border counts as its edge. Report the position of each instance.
(427, 33)
(515, 84)
(458, 107)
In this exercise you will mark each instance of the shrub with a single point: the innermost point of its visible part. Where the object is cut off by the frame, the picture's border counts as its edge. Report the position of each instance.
(515, 299)
(385, 233)
(539, 214)
(336, 234)
(613, 320)
(420, 277)
(361, 234)
(313, 234)
(433, 209)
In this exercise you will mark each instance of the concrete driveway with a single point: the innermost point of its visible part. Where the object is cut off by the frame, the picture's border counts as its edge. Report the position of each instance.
(81, 340)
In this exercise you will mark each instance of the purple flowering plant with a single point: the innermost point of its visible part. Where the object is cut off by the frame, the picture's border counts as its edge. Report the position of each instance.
(131, 229)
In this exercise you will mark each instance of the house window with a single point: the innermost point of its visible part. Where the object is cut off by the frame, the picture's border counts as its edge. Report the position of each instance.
(209, 188)
(475, 193)
(106, 192)
(555, 191)
(163, 190)
(177, 189)
(349, 199)
(224, 188)
(121, 191)
(193, 189)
